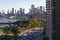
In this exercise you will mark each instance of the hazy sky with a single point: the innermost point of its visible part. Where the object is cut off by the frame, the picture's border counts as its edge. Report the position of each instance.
(26, 4)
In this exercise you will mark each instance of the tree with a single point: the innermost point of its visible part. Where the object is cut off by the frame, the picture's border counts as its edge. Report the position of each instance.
(6, 30)
(15, 31)
(41, 22)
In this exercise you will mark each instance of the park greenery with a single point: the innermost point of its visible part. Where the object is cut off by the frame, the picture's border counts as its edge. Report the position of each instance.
(21, 25)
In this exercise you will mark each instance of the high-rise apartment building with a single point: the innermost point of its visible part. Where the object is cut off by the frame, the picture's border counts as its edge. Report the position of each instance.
(53, 19)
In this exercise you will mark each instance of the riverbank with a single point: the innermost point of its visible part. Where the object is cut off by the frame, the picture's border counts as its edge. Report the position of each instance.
(23, 31)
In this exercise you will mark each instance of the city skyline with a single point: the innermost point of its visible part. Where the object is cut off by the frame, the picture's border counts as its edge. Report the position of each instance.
(8, 4)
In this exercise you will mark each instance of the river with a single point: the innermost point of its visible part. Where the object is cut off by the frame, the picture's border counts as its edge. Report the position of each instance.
(5, 21)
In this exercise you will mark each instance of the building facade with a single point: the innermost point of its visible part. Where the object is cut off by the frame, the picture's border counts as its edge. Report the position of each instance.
(53, 19)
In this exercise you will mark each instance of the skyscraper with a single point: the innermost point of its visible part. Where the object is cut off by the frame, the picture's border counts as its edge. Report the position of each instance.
(3, 12)
(0, 12)
(41, 8)
(12, 10)
(15, 12)
(18, 12)
(8, 11)
(32, 8)
(21, 10)
(53, 19)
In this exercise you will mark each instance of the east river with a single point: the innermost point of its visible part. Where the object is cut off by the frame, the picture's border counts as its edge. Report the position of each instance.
(5, 21)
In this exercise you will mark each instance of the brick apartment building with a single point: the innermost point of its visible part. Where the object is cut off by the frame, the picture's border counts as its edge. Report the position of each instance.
(53, 19)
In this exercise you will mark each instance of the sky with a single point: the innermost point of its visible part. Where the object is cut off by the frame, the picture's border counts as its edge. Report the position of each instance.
(26, 4)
